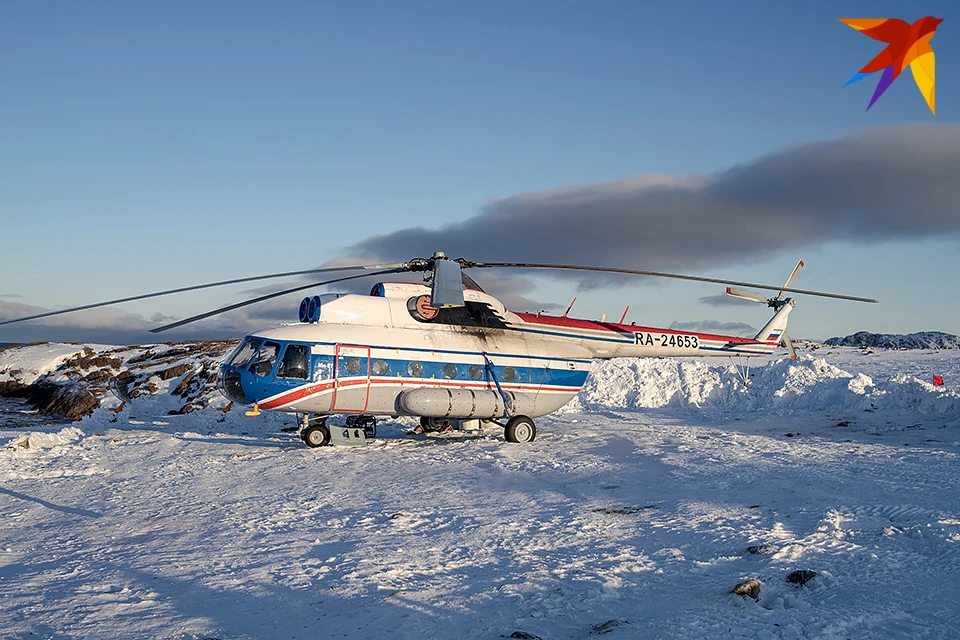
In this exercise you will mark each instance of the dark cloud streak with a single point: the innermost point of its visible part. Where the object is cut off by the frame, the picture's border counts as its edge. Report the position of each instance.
(878, 184)
(723, 300)
(715, 326)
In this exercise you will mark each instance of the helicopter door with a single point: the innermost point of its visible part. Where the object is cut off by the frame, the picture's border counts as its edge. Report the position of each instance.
(351, 388)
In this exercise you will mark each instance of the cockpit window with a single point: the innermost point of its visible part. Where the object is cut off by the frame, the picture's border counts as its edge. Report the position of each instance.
(245, 353)
(295, 363)
(263, 363)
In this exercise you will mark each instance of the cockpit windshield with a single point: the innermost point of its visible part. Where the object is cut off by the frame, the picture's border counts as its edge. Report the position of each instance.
(295, 363)
(245, 352)
(263, 363)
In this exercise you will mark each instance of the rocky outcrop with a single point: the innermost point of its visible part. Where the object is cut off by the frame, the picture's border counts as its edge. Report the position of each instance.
(921, 340)
(75, 388)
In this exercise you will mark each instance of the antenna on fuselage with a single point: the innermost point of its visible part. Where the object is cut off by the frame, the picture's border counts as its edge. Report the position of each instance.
(570, 307)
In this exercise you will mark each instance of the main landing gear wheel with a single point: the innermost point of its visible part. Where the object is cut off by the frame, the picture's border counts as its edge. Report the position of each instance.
(520, 429)
(316, 435)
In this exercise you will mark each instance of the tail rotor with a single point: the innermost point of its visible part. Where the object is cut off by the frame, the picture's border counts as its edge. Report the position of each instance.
(776, 303)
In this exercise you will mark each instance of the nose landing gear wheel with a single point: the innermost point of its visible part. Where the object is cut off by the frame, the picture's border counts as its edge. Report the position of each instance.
(316, 435)
(520, 429)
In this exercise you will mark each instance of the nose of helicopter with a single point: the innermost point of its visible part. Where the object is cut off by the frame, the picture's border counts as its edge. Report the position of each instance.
(230, 381)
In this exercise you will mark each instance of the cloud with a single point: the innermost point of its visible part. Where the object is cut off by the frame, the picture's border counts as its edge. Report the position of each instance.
(889, 183)
(881, 184)
(715, 326)
(110, 325)
(723, 300)
(10, 295)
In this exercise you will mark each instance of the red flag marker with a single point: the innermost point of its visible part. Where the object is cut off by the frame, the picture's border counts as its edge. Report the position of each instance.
(937, 381)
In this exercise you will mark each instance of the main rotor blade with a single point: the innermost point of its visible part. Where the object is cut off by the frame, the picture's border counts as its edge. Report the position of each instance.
(207, 286)
(634, 272)
(245, 303)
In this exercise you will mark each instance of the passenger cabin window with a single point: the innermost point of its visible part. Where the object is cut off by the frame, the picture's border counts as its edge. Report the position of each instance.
(263, 363)
(352, 365)
(295, 363)
(246, 352)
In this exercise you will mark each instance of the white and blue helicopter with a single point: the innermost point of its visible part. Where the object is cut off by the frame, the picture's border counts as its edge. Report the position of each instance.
(446, 351)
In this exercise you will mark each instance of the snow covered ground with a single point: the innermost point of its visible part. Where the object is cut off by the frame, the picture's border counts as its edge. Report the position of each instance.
(630, 516)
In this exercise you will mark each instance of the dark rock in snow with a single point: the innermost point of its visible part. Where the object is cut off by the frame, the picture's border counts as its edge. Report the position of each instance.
(606, 627)
(749, 588)
(73, 403)
(11, 387)
(175, 372)
(762, 549)
(523, 635)
(623, 511)
(801, 577)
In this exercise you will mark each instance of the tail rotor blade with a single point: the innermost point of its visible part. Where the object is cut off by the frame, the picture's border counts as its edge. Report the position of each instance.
(793, 276)
(746, 295)
(245, 303)
(788, 343)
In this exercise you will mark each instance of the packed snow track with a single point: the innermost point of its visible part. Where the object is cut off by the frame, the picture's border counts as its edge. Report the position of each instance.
(620, 520)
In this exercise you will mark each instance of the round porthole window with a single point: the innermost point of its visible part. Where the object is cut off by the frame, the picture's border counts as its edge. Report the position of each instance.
(509, 374)
(415, 369)
(380, 367)
(450, 371)
(352, 365)
(476, 372)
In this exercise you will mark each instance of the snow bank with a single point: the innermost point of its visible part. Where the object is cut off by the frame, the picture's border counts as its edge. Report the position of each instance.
(28, 363)
(36, 441)
(808, 384)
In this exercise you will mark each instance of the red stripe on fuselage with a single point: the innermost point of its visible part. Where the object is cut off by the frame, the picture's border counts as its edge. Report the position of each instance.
(297, 394)
(307, 390)
(593, 325)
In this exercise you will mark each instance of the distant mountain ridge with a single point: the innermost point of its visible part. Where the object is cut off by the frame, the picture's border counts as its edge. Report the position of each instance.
(921, 340)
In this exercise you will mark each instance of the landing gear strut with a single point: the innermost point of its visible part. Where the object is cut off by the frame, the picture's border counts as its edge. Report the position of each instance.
(520, 429)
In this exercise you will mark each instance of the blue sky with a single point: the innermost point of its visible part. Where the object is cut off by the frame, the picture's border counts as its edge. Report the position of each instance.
(148, 147)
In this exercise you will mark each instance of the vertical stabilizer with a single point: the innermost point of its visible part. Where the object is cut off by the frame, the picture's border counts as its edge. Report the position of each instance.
(773, 330)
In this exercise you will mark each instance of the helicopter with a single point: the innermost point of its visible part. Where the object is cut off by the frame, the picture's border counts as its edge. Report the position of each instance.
(445, 351)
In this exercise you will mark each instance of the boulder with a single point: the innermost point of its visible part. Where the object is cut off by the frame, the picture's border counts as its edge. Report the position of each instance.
(748, 588)
(801, 577)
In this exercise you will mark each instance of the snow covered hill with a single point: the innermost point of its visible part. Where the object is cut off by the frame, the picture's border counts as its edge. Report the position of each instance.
(633, 514)
(921, 340)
